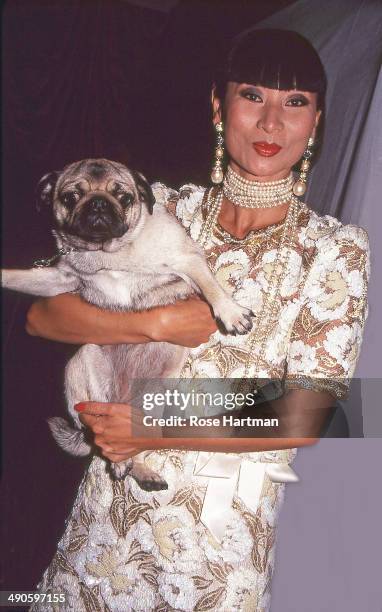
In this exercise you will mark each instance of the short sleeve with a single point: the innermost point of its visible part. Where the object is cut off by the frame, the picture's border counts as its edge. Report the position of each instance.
(327, 334)
(184, 204)
(165, 196)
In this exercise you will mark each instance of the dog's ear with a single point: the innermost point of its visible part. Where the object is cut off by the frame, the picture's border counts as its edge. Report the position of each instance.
(144, 189)
(45, 190)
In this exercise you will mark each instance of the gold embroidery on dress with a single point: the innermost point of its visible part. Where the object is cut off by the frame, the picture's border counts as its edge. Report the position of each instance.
(141, 526)
(226, 358)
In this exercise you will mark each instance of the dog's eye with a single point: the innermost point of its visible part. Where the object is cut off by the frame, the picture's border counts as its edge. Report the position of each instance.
(125, 198)
(70, 198)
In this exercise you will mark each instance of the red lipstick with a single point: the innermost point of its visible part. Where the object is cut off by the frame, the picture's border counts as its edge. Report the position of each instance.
(265, 149)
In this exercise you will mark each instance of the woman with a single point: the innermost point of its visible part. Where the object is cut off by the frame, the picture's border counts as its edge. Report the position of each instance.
(305, 278)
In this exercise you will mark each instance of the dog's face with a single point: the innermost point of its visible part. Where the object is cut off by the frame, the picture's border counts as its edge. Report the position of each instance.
(96, 201)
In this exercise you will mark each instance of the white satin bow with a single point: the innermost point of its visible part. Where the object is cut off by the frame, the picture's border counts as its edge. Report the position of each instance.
(223, 473)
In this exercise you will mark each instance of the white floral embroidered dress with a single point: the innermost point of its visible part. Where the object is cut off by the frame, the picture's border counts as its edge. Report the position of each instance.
(127, 549)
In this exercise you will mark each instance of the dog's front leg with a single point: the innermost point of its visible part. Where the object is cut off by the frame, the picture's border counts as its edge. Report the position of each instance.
(235, 319)
(45, 282)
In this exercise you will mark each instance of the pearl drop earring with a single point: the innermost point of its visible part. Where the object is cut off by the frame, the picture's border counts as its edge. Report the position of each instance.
(217, 169)
(299, 187)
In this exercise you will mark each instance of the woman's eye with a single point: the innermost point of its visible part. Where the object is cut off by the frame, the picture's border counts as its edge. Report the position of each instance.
(297, 102)
(251, 95)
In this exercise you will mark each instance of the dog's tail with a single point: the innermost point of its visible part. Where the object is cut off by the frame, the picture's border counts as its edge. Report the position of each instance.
(68, 438)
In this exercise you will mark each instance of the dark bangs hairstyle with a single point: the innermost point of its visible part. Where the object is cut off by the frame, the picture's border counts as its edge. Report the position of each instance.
(277, 59)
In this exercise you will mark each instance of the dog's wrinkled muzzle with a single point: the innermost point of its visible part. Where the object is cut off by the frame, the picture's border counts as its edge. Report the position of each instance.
(98, 205)
(98, 221)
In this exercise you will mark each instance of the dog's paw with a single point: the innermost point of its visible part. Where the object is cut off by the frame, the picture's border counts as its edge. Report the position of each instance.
(147, 479)
(153, 483)
(233, 318)
(6, 279)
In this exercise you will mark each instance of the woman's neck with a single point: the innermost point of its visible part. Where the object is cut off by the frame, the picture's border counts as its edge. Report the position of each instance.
(239, 221)
(282, 174)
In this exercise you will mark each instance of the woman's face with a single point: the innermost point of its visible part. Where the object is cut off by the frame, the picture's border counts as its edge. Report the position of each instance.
(266, 130)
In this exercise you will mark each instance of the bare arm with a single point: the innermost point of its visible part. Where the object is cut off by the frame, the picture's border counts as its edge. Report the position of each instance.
(304, 413)
(68, 318)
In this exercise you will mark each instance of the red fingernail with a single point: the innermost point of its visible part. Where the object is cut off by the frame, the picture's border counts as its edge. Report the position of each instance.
(80, 407)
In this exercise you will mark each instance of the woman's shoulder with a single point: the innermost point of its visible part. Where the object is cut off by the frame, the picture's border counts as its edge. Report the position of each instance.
(183, 202)
(328, 230)
(163, 193)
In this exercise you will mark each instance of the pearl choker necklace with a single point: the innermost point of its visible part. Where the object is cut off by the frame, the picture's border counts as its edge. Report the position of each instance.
(256, 194)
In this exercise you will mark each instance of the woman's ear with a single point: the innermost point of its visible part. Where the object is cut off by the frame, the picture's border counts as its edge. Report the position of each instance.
(216, 107)
(317, 121)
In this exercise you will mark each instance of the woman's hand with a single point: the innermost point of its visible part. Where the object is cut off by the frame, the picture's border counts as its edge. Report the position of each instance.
(113, 426)
(187, 323)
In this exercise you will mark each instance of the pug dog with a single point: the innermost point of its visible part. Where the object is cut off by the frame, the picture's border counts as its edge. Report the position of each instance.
(119, 252)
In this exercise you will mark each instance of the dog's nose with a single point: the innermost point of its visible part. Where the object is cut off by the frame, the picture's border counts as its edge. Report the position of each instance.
(98, 204)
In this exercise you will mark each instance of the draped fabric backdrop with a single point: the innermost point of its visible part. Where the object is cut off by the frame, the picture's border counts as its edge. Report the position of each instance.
(347, 179)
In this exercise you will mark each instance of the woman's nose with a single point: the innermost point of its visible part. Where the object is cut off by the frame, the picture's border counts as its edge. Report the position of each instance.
(270, 120)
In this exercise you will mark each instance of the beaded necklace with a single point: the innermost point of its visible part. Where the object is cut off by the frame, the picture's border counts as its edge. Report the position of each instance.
(256, 194)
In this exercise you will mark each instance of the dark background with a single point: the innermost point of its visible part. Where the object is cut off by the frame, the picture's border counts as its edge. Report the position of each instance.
(86, 79)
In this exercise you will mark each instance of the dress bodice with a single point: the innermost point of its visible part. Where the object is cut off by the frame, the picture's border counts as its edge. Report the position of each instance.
(322, 306)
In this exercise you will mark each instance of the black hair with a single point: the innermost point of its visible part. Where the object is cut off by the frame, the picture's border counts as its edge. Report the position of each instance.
(277, 59)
